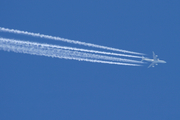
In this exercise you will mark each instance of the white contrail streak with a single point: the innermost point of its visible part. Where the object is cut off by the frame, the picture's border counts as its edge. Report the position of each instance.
(51, 51)
(94, 51)
(65, 40)
(56, 47)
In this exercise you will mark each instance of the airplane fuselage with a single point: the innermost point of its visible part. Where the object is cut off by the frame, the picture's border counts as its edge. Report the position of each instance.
(154, 61)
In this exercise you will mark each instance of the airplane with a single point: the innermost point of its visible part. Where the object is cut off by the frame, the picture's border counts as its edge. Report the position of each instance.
(154, 61)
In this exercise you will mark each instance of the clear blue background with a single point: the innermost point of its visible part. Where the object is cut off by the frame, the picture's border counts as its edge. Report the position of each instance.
(35, 87)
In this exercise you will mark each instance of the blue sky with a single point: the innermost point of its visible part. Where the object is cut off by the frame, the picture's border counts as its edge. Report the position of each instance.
(37, 87)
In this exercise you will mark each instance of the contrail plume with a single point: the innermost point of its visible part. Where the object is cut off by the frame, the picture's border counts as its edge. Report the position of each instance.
(51, 51)
(94, 51)
(57, 48)
(65, 40)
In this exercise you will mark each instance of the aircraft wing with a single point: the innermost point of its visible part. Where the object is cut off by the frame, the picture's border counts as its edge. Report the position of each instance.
(154, 56)
(151, 65)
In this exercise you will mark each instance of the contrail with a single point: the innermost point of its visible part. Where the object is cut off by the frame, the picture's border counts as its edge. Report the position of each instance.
(56, 47)
(94, 51)
(51, 51)
(99, 52)
(65, 40)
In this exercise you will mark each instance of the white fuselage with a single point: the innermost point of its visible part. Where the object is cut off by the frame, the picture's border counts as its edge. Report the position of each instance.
(154, 61)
